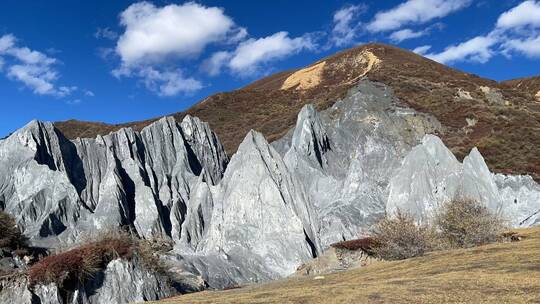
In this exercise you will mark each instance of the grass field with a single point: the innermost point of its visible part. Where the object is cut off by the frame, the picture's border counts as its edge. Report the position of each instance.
(495, 273)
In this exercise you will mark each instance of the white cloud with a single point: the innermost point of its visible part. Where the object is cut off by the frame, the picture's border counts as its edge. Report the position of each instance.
(414, 12)
(6, 42)
(346, 26)
(105, 33)
(168, 83)
(525, 14)
(516, 30)
(478, 49)
(252, 53)
(528, 46)
(32, 68)
(89, 93)
(38, 78)
(155, 36)
(406, 34)
(155, 33)
(213, 65)
(421, 50)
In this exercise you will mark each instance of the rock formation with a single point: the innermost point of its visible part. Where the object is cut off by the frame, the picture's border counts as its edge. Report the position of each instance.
(256, 217)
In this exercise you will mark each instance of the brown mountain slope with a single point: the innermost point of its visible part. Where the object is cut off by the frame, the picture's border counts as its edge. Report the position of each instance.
(530, 85)
(503, 122)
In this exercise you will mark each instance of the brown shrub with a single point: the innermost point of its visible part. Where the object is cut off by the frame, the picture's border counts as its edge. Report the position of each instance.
(82, 262)
(399, 237)
(466, 223)
(365, 244)
(10, 235)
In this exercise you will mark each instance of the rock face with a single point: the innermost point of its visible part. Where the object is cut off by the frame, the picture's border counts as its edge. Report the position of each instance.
(345, 156)
(430, 175)
(59, 189)
(259, 216)
(121, 282)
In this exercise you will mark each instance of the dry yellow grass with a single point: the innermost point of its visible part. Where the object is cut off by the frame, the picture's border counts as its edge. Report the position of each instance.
(495, 273)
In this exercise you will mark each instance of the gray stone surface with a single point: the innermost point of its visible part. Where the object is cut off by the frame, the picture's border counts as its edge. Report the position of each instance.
(121, 282)
(430, 176)
(345, 156)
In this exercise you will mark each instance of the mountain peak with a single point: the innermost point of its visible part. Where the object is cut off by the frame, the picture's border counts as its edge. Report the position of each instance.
(471, 109)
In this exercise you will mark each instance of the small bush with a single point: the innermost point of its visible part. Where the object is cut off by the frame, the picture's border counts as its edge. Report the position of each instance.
(400, 237)
(82, 262)
(10, 235)
(466, 223)
(365, 244)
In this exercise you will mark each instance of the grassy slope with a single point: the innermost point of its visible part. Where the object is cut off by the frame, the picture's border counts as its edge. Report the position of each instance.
(496, 273)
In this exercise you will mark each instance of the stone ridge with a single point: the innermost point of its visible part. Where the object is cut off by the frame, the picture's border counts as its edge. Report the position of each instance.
(418, 82)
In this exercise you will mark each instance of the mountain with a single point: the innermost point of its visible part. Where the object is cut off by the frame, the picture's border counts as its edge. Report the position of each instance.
(279, 200)
(530, 85)
(501, 120)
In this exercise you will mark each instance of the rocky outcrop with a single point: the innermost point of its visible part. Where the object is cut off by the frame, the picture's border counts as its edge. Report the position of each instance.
(121, 281)
(259, 216)
(262, 209)
(345, 156)
(430, 175)
(59, 189)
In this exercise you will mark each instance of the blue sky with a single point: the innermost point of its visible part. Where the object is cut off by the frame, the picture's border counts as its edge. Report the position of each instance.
(119, 61)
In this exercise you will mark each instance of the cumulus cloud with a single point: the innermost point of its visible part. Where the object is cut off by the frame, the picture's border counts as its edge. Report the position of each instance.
(405, 34)
(168, 83)
(346, 25)
(253, 52)
(528, 46)
(32, 68)
(156, 36)
(523, 15)
(519, 29)
(250, 55)
(414, 12)
(478, 49)
(154, 33)
(516, 30)
(421, 50)
(213, 65)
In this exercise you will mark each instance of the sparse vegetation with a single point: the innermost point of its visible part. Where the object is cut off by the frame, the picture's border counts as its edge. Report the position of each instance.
(365, 244)
(92, 256)
(495, 273)
(10, 235)
(466, 223)
(83, 262)
(400, 237)
(460, 223)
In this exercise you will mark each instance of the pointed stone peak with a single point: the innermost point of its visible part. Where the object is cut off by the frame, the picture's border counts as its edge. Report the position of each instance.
(476, 159)
(165, 122)
(206, 146)
(310, 137)
(436, 149)
(191, 125)
(36, 125)
(37, 133)
(253, 140)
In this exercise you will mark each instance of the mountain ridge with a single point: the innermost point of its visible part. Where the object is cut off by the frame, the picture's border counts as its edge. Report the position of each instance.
(474, 111)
